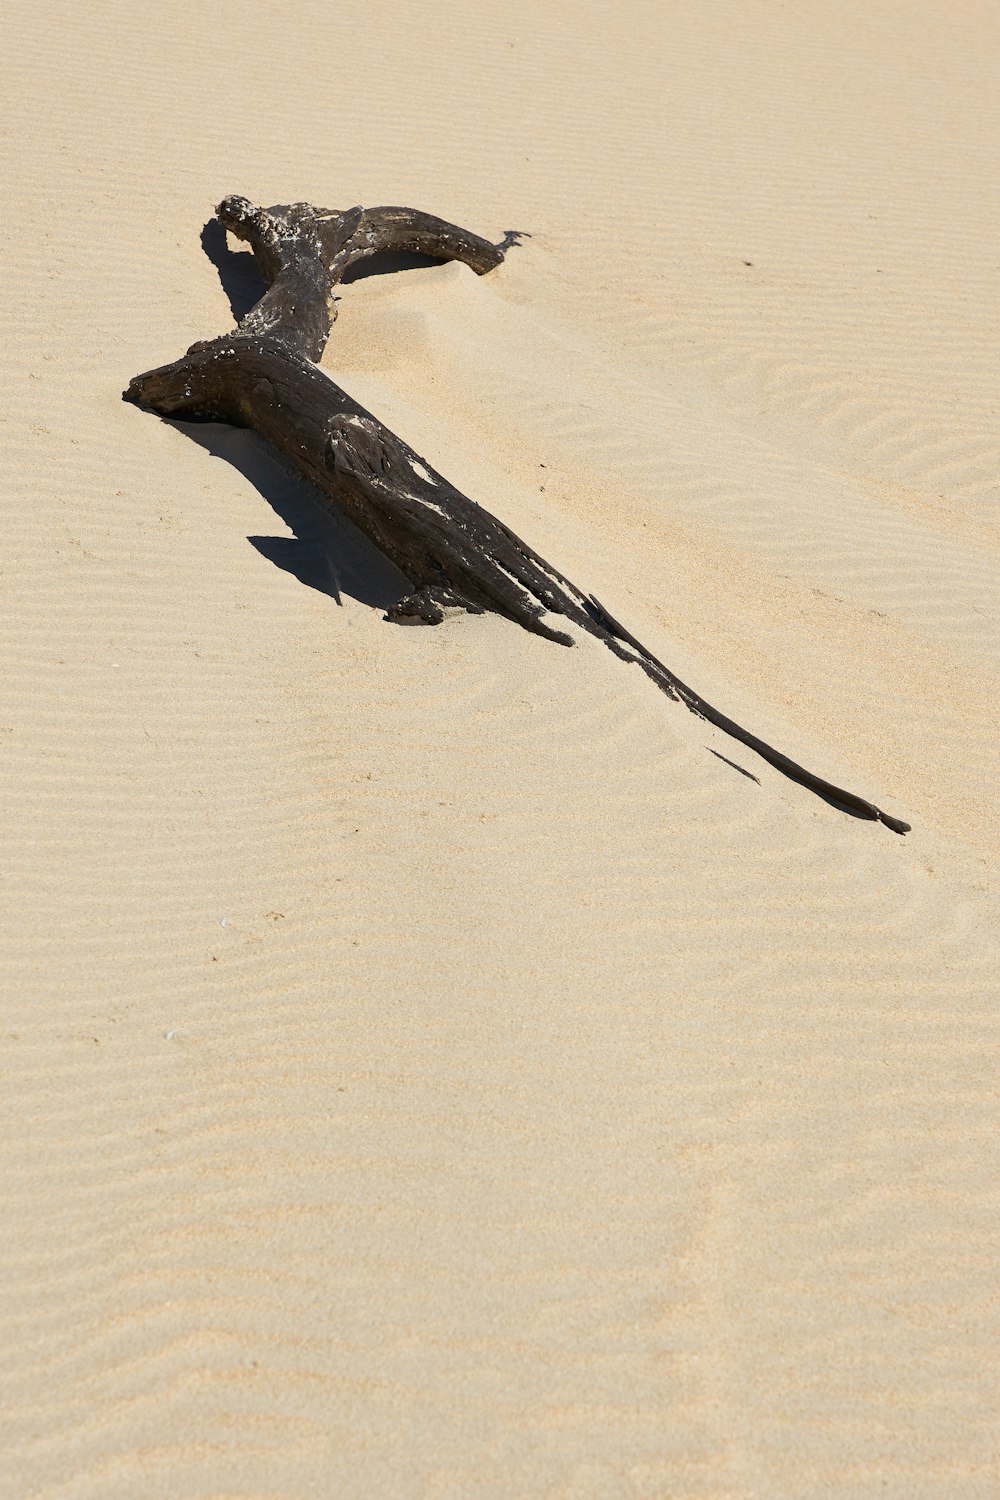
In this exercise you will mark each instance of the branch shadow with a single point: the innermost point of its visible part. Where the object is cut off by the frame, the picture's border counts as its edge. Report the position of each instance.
(238, 273)
(719, 756)
(327, 552)
(388, 263)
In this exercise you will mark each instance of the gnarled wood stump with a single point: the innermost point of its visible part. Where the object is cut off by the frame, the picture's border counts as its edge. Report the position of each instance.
(264, 375)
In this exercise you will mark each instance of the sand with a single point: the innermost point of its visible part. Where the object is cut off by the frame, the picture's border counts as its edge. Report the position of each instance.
(429, 1070)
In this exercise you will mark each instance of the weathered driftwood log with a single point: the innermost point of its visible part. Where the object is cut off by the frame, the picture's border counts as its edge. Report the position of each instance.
(264, 375)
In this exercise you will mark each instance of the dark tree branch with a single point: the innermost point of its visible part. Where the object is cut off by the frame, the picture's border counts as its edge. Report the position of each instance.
(264, 375)
(303, 252)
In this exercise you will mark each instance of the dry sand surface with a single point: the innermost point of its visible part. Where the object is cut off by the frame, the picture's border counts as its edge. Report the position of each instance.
(428, 1068)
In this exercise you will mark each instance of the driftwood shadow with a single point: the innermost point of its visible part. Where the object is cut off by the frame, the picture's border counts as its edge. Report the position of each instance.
(241, 280)
(327, 553)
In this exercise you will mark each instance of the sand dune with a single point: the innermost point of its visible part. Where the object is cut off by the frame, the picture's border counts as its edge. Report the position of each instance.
(431, 1067)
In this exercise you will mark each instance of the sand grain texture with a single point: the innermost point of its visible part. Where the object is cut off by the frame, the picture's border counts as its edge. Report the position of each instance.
(427, 1070)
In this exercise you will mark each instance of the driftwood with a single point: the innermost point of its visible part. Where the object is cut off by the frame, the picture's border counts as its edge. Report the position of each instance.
(264, 375)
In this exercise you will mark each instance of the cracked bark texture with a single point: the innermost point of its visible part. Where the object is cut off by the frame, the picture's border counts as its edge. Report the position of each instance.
(263, 375)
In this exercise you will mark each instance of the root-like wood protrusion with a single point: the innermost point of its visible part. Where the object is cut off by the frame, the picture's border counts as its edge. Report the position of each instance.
(264, 375)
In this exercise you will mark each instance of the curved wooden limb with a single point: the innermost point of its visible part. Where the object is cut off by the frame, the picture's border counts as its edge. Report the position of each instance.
(303, 253)
(294, 261)
(381, 229)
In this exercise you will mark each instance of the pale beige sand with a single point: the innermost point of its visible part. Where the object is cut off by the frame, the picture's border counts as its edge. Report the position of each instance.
(427, 1070)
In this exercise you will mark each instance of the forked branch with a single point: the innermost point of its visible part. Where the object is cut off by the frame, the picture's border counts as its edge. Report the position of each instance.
(303, 252)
